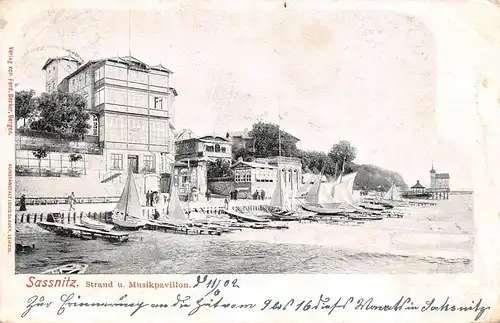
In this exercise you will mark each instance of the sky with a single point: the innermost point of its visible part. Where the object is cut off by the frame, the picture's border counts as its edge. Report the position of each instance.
(366, 77)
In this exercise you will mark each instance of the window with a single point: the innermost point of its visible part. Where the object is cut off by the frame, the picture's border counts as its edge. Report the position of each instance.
(158, 103)
(217, 148)
(248, 176)
(99, 73)
(99, 97)
(137, 130)
(237, 176)
(80, 80)
(149, 162)
(209, 148)
(116, 161)
(86, 78)
(223, 149)
(73, 82)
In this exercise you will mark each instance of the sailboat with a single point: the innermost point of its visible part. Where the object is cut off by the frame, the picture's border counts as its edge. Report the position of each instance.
(342, 194)
(175, 214)
(318, 199)
(128, 211)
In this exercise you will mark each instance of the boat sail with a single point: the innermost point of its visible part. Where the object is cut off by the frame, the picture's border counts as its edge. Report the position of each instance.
(282, 199)
(342, 190)
(393, 194)
(175, 213)
(128, 211)
(342, 193)
(320, 200)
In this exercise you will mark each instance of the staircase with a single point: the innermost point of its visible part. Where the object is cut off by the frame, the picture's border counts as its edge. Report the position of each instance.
(110, 178)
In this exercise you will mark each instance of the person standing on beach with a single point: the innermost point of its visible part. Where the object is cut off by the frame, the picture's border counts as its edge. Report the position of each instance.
(148, 198)
(22, 203)
(71, 201)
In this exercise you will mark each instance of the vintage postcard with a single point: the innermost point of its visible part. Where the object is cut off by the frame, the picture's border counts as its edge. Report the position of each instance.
(250, 161)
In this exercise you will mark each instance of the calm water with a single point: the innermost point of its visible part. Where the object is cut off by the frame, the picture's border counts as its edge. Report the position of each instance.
(427, 240)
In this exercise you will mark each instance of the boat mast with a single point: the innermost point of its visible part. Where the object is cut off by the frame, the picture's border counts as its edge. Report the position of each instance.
(189, 184)
(128, 194)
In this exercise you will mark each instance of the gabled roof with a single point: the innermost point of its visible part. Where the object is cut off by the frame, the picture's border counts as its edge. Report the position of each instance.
(161, 68)
(254, 165)
(127, 60)
(68, 58)
(442, 175)
(182, 132)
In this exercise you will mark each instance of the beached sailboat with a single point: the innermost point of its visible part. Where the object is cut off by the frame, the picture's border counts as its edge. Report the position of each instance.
(69, 269)
(96, 225)
(175, 214)
(127, 214)
(320, 201)
(342, 194)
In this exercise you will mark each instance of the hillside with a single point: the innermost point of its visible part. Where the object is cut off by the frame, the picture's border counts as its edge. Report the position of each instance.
(371, 177)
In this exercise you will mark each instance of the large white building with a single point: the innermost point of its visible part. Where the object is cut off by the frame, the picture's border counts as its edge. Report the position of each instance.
(131, 105)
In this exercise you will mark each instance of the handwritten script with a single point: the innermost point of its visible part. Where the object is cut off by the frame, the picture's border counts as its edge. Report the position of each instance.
(209, 293)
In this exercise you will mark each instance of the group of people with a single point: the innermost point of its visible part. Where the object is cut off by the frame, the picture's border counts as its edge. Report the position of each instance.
(152, 198)
(259, 195)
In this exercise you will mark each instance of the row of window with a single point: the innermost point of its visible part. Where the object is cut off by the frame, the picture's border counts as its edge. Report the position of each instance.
(51, 86)
(149, 162)
(215, 148)
(243, 175)
(265, 174)
(123, 129)
(79, 81)
(122, 73)
(135, 99)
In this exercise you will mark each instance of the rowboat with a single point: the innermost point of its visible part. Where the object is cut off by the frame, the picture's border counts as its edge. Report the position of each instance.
(96, 225)
(69, 269)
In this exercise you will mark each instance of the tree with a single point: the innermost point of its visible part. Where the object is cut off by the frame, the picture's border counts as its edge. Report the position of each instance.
(74, 158)
(341, 154)
(63, 114)
(244, 153)
(219, 168)
(371, 177)
(267, 141)
(40, 153)
(26, 105)
(315, 162)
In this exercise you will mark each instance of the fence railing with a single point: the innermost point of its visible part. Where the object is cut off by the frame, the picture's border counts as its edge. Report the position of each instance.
(64, 200)
(105, 216)
(35, 171)
(27, 139)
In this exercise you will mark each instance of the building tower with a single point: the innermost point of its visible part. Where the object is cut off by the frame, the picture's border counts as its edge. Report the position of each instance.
(56, 69)
(433, 177)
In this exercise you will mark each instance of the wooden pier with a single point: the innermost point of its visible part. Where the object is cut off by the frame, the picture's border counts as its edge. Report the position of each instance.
(421, 203)
(76, 231)
(182, 230)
